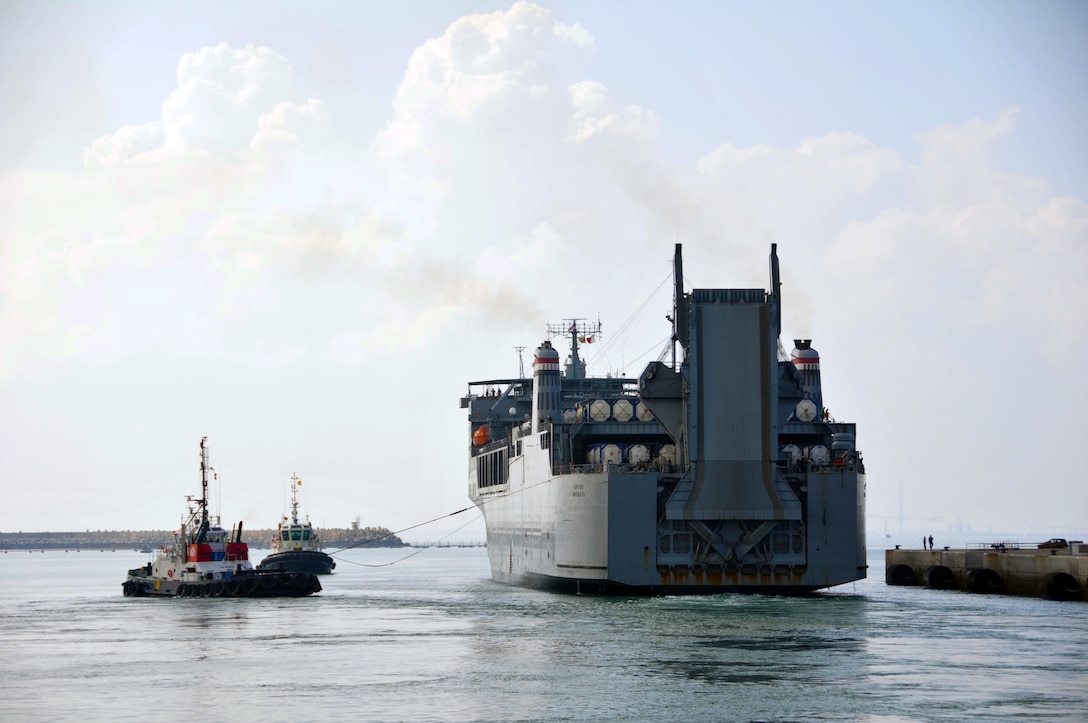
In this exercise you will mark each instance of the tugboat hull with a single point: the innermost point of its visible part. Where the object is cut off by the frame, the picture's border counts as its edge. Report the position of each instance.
(257, 584)
(307, 561)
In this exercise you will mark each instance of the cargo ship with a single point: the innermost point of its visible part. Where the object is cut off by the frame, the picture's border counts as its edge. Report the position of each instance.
(719, 469)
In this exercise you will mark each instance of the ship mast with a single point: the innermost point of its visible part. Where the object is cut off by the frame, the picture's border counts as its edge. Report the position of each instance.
(577, 329)
(521, 362)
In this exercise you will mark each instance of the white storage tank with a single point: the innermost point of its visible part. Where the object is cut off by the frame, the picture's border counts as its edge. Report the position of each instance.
(643, 413)
(638, 454)
(792, 452)
(623, 410)
(818, 454)
(611, 453)
(569, 416)
(667, 453)
(600, 410)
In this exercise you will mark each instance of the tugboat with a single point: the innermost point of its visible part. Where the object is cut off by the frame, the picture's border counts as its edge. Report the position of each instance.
(296, 547)
(207, 561)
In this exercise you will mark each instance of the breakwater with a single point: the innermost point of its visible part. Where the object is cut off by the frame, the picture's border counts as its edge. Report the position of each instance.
(332, 538)
(1051, 574)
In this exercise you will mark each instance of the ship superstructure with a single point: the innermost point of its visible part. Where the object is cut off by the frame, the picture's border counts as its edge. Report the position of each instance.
(721, 471)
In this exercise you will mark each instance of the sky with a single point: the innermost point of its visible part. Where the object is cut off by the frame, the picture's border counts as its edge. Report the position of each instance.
(300, 229)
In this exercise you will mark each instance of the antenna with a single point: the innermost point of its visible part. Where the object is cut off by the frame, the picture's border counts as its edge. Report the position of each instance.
(579, 330)
(521, 362)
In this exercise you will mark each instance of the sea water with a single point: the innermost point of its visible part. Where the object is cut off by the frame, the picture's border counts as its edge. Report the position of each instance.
(409, 635)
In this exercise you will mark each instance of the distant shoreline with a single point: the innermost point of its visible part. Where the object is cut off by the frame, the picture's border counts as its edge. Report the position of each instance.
(331, 538)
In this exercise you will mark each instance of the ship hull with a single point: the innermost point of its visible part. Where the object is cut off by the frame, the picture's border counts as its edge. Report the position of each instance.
(598, 534)
(308, 561)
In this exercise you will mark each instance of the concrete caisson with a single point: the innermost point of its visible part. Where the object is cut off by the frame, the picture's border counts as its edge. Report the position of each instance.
(1029, 573)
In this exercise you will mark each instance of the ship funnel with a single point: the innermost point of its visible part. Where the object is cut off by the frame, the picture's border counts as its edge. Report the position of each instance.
(807, 361)
(546, 384)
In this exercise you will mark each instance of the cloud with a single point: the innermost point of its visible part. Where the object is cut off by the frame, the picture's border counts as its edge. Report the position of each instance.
(491, 73)
(226, 99)
(593, 115)
(988, 251)
(290, 126)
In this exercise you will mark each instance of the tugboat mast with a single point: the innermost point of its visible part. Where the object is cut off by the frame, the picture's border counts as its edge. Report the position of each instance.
(295, 482)
(204, 524)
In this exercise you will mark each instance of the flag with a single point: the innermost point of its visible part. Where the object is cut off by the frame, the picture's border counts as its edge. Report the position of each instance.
(573, 327)
(299, 483)
(589, 340)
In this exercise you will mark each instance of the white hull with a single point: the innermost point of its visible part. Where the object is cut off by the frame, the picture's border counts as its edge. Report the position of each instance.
(598, 533)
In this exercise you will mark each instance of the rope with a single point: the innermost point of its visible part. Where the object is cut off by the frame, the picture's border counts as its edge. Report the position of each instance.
(394, 534)
(425, 547)
(421, 524)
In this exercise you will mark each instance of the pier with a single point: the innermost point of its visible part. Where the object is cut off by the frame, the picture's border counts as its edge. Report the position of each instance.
(998, 568)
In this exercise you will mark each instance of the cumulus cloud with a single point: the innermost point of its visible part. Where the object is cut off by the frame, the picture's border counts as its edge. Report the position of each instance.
(290, 126)
(489, 70)
(593, 115)
(984, 241)
(497, 134)
(226, 99)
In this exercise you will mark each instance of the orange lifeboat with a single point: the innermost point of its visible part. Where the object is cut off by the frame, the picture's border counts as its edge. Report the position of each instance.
(481, 435)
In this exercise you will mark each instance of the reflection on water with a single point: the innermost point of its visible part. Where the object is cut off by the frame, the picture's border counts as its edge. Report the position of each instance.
(433, 638)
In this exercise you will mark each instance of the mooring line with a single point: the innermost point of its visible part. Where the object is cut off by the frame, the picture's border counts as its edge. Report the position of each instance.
(425, 547)
(394, 534)
(436, 519)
